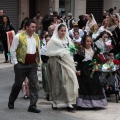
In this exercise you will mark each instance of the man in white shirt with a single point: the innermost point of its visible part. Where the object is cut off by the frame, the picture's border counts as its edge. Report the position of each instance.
(75, 29)
(25, 53)
(70, 21)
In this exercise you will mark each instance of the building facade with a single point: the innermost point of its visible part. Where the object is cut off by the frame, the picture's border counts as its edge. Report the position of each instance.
(17, 10)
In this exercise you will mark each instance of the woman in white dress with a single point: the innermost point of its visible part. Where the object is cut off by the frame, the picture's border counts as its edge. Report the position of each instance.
(61, 69)
(102, 43)
(91, 24)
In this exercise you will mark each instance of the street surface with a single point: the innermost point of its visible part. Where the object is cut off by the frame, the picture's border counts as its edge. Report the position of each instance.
(112, 111)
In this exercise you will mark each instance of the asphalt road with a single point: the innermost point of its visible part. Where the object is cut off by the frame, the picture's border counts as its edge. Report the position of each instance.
(21, 105)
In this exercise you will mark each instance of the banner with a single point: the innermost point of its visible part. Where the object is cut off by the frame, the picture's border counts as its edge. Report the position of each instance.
(10, 37)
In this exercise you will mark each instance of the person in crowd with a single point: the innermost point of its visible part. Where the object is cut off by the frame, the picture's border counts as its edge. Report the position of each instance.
(63, 18)
(55, 19)
(59, 21)
(55, 13)
(114, 29)
(77, 37)
(61, 69)
(101, 43)
(22, 26)
(104, 15)
(85, 18)
(91, 24)
(104, 26)
(95, 33)
(25, 89)
(70, 21)
(51, 29)
(44, 58)
(116, 18)
(46, 22)
(111, 11)
(25, 53)
(42, 38)
(38, 20)
(101, 29)
(5, 27)
(90, 89)
(81, 22)
(74, 29)
(1, 17)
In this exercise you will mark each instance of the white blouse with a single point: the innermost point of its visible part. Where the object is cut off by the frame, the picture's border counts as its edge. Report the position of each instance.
(31, 47)
(88, 54)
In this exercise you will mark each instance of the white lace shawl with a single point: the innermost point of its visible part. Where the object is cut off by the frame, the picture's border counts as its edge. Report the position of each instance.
(55, 48)
(89, 25)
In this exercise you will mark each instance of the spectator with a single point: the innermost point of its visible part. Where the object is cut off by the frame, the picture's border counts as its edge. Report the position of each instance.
(70, 21)
(101, 43)
(81, 22)
(51, 29)
(77, 37)
(5, 27)
(46, 22)
(38, 21)
(55, 13)
(1, 16)
(75, 28)
(91, 24)
(63, 18)
(55, 18)
(22, 26)
(111, 10)
(104, 15)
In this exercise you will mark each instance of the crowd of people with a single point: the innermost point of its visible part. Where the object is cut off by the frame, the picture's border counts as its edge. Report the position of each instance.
(67, 75)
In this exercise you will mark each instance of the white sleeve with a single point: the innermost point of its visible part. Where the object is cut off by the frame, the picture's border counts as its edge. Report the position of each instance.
(98, 44)
(81, 32)
(13, 49)
(94, 36)
(73, 21)
(70, 33)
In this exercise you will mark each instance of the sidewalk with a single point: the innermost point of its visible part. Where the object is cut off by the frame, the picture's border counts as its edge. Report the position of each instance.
(111, 112)
(4, 65)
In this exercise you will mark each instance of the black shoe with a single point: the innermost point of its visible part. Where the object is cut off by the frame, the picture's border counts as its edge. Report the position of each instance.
(26, 97)
(70, 109)
(11, 105)
(47, 97)
(34, 110)
(54, 108)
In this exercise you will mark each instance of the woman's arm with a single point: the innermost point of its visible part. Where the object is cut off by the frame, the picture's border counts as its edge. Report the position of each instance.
(12, 28)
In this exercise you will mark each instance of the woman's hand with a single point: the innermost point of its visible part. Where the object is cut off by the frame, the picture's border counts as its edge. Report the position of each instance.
(78, 73)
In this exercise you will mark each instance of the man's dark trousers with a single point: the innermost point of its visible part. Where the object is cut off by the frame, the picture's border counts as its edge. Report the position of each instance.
(21, 72)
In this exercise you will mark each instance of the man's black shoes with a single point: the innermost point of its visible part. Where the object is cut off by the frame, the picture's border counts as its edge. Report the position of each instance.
(11, 105)
(34, 110)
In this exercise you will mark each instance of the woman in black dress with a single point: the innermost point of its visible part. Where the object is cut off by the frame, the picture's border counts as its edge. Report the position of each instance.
(90, 90)
(5, 27)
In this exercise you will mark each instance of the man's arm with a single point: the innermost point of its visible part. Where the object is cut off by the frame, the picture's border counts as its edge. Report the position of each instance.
(13, 49)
